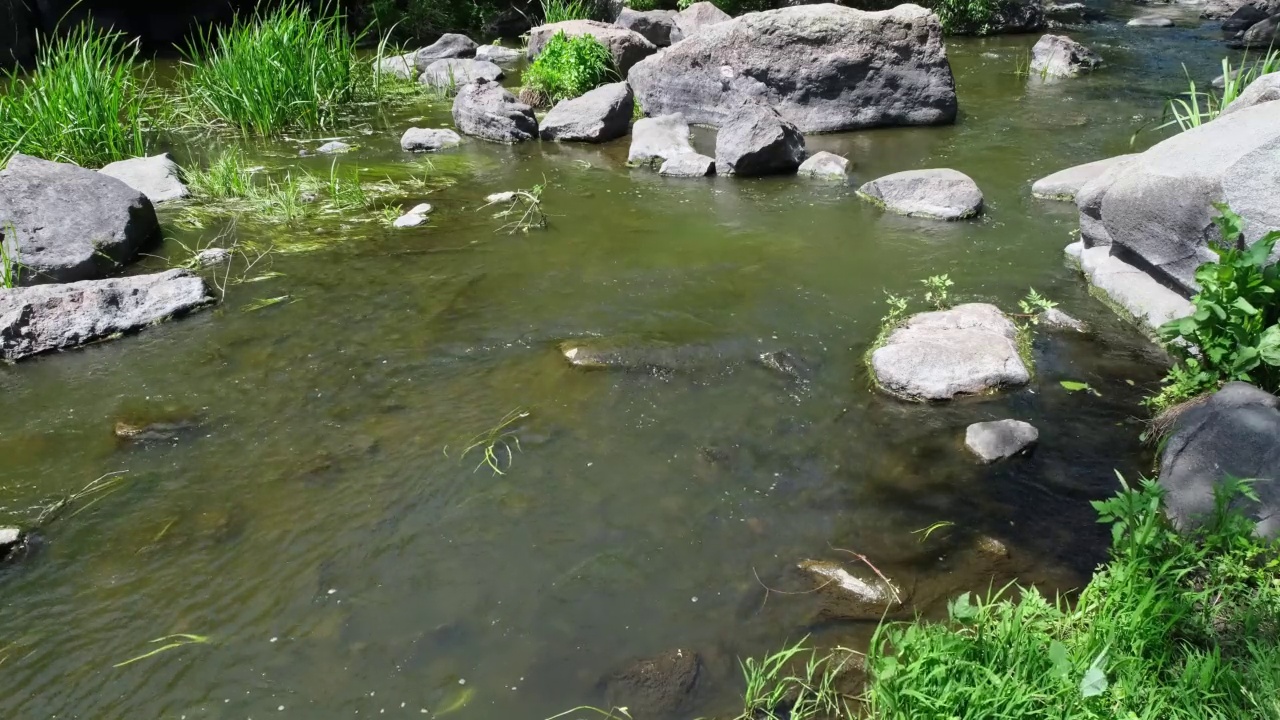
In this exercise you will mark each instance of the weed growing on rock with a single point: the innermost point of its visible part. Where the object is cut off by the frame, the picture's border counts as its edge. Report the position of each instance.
(566, 68)
(937, 291)
(10, 268)
(1034, 305)
(554, 11)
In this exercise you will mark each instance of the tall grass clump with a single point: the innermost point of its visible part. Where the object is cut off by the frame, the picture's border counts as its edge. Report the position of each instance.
(1195, 107)
(1175, 627)
(82, 102)
(289, 68)
(566, 68)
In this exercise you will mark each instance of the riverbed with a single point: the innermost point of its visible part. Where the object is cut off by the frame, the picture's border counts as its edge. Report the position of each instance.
(322, 525)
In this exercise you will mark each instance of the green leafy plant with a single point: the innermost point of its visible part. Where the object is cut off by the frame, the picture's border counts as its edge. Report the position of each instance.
(1034, 305)
(938, 291)
(1234, 333)
(83, 102)
(566, 68)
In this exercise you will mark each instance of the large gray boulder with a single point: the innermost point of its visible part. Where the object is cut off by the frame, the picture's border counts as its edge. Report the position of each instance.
(455, 72)
(1065, 184)
(655, 25)
(498, 54)
(758, 142)
(597, 116)
(657, 139)
(1000, 439)
(1158, 207)
(626, 46)
(1234, 433)
(450, 45)
(824, 68)
(428, 139)
(1060, 56)
(688, 164)
(39, 319)
(1263, 90)
(70, 223)
(967, 350)
(157, 177)
(696, 18)
(485, 110)
(940, 194)
(1242, 18)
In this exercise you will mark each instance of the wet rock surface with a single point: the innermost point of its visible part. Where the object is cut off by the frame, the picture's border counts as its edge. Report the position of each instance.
(1055, 319)
(486, 110)
(939, 194)
(1060, 56)
(1133, 292)
(825, 165)
(847, 597)
(454, 72)
(1000, 439)
(1151, 21)
(450, 45)
(1065, 184)
(498, 54)
(11, 541)
(656, 688)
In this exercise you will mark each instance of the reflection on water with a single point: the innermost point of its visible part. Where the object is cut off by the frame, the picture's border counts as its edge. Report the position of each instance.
(319, 524)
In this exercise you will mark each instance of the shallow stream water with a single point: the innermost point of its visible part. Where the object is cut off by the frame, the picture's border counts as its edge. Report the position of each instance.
(320, 526)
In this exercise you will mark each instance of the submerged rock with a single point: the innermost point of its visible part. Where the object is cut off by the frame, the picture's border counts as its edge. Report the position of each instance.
(69, 223)
(968, 349)
(655, 25)
(1064, 184)
(657, 139)
(401, 66)
(428, 139)
(1158, 21)
(1072, 13)
(485, 110)
(1000, 439)
(209, 257)
(626, 46)
(824, 68)
(940, 194)
(758, 142)
(846, 597)
(656, 688)
(152, 432)
(597, 116)
(498, 54)
(157, 177)
(415, 217)
(454, 72)
(39, 319)
(1233, 433)
(1055, 319)
(688, 164)
(1263, 90)
(334, 147)
(694, 19)
(450, 45)
(1060, 56)
(825, 165)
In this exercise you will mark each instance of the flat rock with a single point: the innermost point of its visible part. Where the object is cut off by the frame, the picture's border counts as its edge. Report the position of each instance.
(71, 223)
(967, 350)
(498, 54)
(1262, 90)
(626, 46)
(401, 66)
(485, 110)
(824, 68)
(429, 139)
(1000, 439)
(409, 219)
(597, 116)
(158, 177)
(1157, 21)
(656, 688)
(940, 194)
(844, 596)
(825, 165)
(655, 25)
(657, 139)
(1060, 56)
(1064, 184)
(758, 142)
(696, 18)
(1055, 319)
(1128, 289)
(1233, 433)
(453, 72)
(42, 318)
(689, 164)
(334, 147)
(450, 45)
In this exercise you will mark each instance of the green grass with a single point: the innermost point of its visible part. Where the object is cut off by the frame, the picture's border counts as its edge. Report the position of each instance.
(1174, 627)
(566, 68)
(555, 11)
(82, 102)
(285, 69)
(795, 683)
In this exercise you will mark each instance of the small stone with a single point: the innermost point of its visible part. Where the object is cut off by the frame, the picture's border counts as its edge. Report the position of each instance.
(11, 539)
(992, 441)
(211, 256)
(1159, 21)
(333, 147)
(429, 139)
(500, 197)
(421, 209)
(992, 548)
(825, 165)
(498, 54)
(655, 140)
(688, 165)
(1058, 320)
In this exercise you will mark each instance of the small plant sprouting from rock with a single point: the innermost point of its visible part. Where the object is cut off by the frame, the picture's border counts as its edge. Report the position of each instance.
(937, 290)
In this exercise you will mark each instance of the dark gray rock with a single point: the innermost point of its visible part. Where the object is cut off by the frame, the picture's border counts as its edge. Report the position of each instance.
(1055, 319)
(967, 350)
(696, 18)
(689, 164)
(1263, 90)
(334, 147)
(1263, 34)
(70, 223)
(428, 139)
(157, 177)
(758, 142)
(657, 139)
(656, 688)
(1060, 56)
(450, 45)
(940, 194)
(1156, 21)
(1233, 433)
(1000, 439)
(655, 25)
(11, 541)
(825, 165)
(824, 68)
(1064, 184)
(455, 72)
(401, 66)
(209, 257)
(39, 319)
(626, 46)
(597, 116)
(1243, 18)
(498, 54)
(485, 110)
(1221, 9)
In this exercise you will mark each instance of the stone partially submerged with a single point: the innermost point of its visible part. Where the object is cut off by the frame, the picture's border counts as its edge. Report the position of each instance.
(597, 116)
(1060, 56)
(655, 140)
(68, 223)
(1064, 184)
(939, 194)
(824, 68)
(450, 73)
(967, 350)
(401, 66)
(485, 110)
(428, 139)
(627, 47)
(1127, 289)
(758, 142)
(157, 177)
(656, 687)
(43, 318)
(1000, 439)
(498, 54)
(825, 165)
(689, 164)
(450, 45)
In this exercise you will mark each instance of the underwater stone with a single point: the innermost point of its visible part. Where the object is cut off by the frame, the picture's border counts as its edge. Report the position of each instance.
(1000, 439)
(939, 194)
